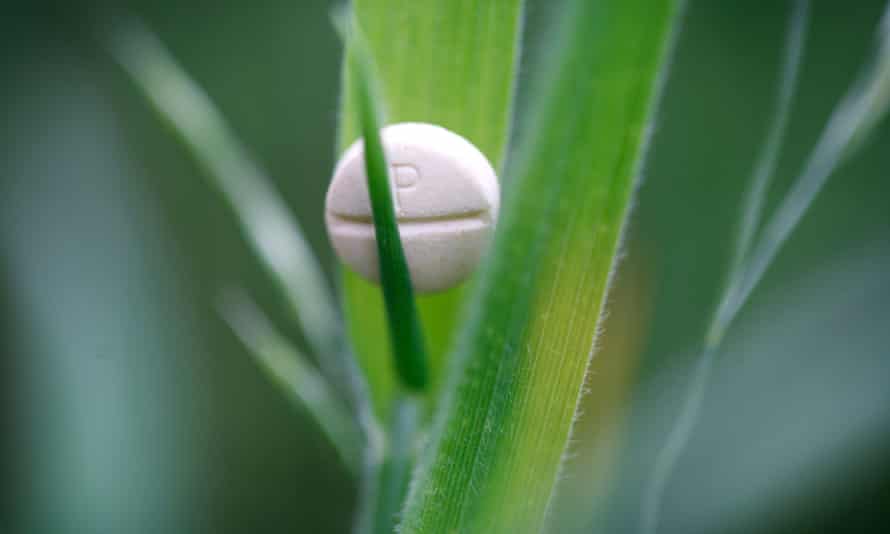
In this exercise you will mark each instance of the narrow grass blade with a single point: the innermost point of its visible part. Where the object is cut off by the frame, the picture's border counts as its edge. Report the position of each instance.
(677, 439)
(849, 126)
(398, 462)
(267, 223)
(756, 452)
(447, 63)
(406, 336)
(516, 375)
(297, 378)
(862, 108)
(769, 157)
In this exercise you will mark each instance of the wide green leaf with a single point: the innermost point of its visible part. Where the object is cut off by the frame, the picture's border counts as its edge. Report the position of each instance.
(447, 63)
(517, 372)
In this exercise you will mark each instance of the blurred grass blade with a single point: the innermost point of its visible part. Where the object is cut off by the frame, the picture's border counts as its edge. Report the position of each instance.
(398, 462)
(406, 336)
(296, 376)
(682, 429)
(516, 375)
(766, 164)
(812, 429)
(848, 128)
(452, 64)
(267, 222)
(862, 108)
(404, 325)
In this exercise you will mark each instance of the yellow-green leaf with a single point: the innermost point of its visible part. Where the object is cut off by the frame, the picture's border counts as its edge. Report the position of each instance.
(516, 375)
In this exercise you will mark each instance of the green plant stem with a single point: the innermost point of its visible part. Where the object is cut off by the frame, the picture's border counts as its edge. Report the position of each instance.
(398, 461)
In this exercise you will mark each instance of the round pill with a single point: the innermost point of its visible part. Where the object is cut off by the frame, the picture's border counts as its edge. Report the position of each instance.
(445, 195)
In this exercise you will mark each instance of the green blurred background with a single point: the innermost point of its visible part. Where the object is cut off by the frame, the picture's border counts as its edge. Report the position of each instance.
(130, 407)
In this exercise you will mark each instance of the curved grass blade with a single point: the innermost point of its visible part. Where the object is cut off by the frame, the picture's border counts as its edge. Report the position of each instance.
(296, 376)
(265, 219)
(861, 109)
(677, 439)
(794, 333)
(849, 126)
(406, 336)
(766, 164)
(447, 63)
(517, 373)
(398, 461)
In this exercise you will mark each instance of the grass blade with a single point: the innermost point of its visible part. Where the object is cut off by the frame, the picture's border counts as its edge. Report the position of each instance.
(849, 126)
(291, 371)
(398, 461)
(756, 453)
(678, 438)
(517, 373)
(266, 221)
(453, 64)
(406, 336)
(769, 157)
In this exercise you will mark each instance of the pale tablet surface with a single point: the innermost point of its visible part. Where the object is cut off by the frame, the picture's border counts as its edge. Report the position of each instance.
(446, 198)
